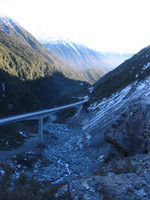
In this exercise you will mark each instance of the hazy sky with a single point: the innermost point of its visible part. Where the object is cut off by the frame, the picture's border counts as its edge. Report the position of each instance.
(106, 25)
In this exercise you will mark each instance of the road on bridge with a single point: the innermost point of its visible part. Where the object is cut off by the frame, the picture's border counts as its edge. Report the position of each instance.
(39, 115)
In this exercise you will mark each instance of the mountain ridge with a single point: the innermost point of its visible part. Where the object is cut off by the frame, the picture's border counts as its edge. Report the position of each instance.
(22, 37)
(123, 89)
(24, 65)
(82, 57)
(134, 69)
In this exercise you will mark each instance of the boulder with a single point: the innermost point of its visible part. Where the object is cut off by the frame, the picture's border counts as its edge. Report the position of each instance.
(113, 152)
(131, 131)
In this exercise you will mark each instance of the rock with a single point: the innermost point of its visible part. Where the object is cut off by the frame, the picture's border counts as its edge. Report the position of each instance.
(125, 179)
(131, 131)
(123, 187)
(85, 189)
(113, 152)
(62, 191)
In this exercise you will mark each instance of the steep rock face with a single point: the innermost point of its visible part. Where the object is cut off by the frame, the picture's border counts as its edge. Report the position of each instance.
(114, 92)
(131, 131)
(117, 108)
(113, 113)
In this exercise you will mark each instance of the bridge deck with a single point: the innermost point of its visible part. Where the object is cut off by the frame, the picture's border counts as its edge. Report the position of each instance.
(39, 115)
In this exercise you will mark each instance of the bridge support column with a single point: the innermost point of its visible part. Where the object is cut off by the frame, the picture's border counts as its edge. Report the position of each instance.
(40, 130)
(79, 108)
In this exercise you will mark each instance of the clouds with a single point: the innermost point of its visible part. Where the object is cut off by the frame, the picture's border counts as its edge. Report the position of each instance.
(107, 25)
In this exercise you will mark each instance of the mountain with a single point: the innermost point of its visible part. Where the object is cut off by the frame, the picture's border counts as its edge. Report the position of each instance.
(24, 45)
(84, 58)
(134, 69)
(128, 82)
(31, 77)
(117, 126)
(118, 114)
(119, 107)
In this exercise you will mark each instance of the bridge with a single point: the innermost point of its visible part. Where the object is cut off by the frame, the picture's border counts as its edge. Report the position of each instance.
(40, 115)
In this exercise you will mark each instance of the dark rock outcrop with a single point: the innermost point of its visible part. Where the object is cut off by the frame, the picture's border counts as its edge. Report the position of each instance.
(130, 133)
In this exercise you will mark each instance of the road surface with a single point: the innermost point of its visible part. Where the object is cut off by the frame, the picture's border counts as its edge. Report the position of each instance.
(39, 114)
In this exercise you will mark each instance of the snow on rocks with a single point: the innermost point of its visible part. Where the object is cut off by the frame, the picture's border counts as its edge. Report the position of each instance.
(146, 66)
(91, 89)
(123, 179)
(115, 104)
(64, 156)
(23, 134)
(7, 22)
(4, 24)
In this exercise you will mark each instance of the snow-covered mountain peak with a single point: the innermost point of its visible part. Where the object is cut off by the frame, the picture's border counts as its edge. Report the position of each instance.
(8, 22)
(53, 41)
(62, 44)
(84, 58)
(59, 42)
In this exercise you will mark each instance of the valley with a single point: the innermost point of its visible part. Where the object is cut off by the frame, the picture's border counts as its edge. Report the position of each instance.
(99, 152)
(94, 63)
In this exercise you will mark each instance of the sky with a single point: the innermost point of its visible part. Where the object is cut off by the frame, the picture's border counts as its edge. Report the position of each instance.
(106, 25)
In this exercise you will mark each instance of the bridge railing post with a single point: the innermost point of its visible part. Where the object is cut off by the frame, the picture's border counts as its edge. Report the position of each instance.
(40, 130)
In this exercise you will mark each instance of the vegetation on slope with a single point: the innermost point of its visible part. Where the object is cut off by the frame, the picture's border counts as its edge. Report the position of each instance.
(93, 62)
(134, 69)
(32, 78)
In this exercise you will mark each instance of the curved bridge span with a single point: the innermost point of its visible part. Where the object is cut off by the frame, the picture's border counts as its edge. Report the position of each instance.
(40, 115)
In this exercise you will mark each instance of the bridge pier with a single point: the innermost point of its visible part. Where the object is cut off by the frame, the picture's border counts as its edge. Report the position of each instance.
(79, 108)
(40, 130)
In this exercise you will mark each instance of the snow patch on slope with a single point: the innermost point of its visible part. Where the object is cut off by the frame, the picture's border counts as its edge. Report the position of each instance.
(146, 66)
(108, 110)
(66, 43)
(8, 22)
(72, 46)
(4, 24)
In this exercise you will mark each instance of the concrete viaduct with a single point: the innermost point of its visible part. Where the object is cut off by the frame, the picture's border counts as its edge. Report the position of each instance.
(40, 115)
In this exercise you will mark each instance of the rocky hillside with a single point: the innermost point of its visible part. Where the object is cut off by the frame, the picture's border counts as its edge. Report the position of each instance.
(125, 179)
(103, 153)
(30, 76)
(120, 104)
(117, 95)
(94, 63)
(118, 116)
(69, 167)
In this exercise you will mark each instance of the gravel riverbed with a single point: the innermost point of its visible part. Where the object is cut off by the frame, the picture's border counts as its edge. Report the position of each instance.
(67, 153)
